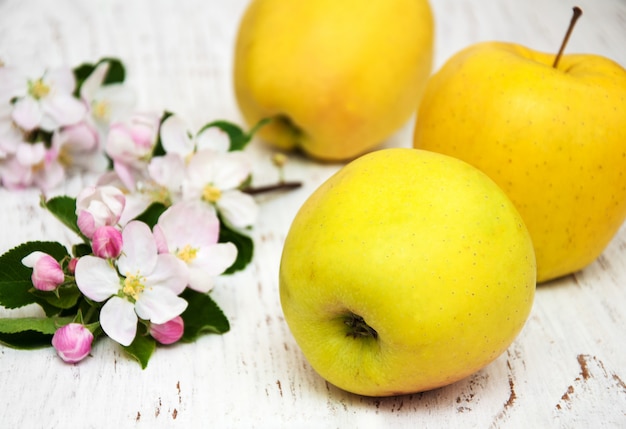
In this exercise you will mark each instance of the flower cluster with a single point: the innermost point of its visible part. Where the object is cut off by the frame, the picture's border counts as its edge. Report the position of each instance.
(167, 214)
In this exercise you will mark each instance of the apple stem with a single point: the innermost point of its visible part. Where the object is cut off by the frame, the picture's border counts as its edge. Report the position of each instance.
(280, 186)
(577, 13)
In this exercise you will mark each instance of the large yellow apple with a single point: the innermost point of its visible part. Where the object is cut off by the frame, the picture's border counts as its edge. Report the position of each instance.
(337, 76)
(405, 271)
(554, 139)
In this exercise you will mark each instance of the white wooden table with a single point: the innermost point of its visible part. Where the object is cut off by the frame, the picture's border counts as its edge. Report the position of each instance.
(567, 369)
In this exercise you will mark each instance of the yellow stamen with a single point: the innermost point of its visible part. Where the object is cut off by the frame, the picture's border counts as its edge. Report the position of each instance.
(187, 253)
(101, 110)
(65, 157)
(39, 89)
(134, 285)
(211, 194)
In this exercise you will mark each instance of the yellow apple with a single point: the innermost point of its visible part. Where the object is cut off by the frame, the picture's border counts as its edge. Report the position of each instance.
(338, 77)
(554, 139)
(405, 271)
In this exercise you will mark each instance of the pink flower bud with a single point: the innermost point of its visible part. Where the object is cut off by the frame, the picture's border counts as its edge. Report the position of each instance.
(106, 242)
(99, 206)
(72, 342)
(47, 272)
(71, 265)
(168, 332)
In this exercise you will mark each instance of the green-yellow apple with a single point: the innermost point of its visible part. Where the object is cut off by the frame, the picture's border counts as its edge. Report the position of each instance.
(553, 138)
(338, 77)
(405, 271)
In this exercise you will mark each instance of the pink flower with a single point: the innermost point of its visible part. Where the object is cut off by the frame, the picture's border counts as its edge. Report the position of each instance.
(130, 145)
(190, 231)
(32, 164)
(168, 332)
(47, 272)
(78, 147)
(97, 207)
(72, 342)
(106, 242)
(71, 265)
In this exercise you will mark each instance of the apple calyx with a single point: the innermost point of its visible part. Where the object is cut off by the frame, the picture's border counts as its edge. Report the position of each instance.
(358, 328)
(577, 14)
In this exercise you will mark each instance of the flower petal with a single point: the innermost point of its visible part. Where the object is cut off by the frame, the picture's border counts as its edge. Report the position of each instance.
(238, 209)
(61, 79)
(118, 320)
(96, 279)
(231, 170)
(61, 109)
(175, 137)
(168, 171)
(94, 81)
(159, 305)
(169, 273)
(27, 113)
(191, 223)
(213, 138)
(139, 251)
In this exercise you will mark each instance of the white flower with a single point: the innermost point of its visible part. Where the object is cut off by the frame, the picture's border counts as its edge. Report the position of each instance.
(107, 103)
(215, 178)
(190, 230)
(143, 284)
(49, 103)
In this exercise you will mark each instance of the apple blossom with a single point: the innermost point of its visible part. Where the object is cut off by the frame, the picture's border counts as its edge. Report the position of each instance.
(190, 230)
(106, 242)
(107, 103)
(214, 178)
(98, 206)
(168, 332)
(140, 283)
(78, 147)
(32, 164)
(47, 272)
(72, 342)
(49, 103)
(167, 173)
(130, 145)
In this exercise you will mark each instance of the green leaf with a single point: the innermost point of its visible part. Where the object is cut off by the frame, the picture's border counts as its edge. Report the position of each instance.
(239, 139)
(244, 244)
(115, 74)
(15, 278)
(159, 150)
(81, 249)
(202, 316)
(64, 209)
(151, 215)
(141, 348)
(64, 297)
(30, 332)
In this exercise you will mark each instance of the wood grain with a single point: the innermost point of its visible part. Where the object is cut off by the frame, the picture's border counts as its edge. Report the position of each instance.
(567, 369)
